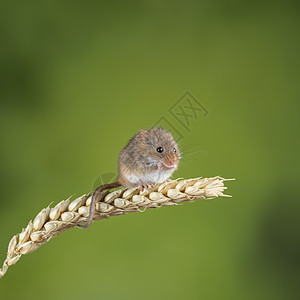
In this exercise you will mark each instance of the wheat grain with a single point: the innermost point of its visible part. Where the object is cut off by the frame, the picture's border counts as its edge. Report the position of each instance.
(67, 214)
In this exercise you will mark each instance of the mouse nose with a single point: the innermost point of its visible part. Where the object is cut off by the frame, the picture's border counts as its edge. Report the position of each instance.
(171, 161)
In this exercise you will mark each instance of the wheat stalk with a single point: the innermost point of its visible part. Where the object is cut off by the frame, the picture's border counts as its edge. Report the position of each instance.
(67, 214)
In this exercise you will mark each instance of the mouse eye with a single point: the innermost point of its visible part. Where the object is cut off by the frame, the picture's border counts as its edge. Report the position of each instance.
(174, 150)
(159, 149)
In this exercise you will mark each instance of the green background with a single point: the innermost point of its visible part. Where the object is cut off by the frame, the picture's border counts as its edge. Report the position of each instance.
(78, 79)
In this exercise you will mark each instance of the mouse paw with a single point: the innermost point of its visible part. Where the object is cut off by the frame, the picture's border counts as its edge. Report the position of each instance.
(160, 165)
(145, 186)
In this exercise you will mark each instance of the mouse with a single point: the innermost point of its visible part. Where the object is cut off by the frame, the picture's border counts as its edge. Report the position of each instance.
(150, 157)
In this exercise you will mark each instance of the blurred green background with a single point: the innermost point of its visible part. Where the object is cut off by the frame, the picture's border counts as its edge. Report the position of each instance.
(79, 78)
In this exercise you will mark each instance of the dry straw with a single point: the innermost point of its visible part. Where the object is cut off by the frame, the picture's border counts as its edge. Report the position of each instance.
(67, 214)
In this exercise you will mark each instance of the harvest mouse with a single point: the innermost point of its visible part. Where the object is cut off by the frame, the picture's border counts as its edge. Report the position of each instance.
(150, 157)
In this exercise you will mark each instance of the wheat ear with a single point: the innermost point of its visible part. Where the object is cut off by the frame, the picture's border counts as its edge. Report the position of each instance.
(67, 214)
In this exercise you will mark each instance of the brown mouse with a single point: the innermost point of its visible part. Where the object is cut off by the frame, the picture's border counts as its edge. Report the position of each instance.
(150, 157)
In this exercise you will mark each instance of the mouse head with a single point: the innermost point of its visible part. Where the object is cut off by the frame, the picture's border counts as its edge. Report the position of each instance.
(162, 149)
